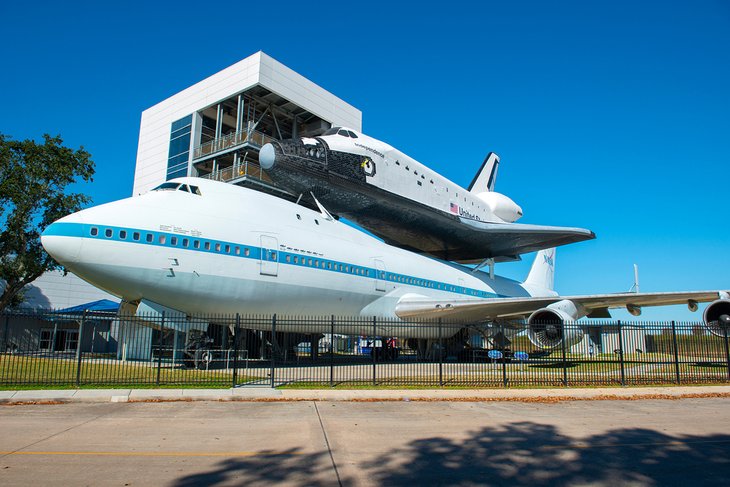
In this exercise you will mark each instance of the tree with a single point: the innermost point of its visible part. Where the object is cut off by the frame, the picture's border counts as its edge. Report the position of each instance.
(34, 178)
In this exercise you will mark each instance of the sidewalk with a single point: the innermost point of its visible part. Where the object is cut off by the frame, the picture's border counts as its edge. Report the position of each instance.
(269, 394)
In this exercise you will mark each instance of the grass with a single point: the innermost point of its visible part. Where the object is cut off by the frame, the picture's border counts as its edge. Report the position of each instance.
(29, 372)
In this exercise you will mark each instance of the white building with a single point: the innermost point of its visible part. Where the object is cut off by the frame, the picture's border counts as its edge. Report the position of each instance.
(219, 124)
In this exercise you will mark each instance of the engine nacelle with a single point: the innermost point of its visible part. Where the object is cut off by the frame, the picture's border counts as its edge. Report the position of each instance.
(717, 317)
(501, 206)
(547, 326)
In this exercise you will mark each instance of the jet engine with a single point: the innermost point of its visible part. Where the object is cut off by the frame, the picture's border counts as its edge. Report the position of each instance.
(717, 317)
(501, 206)
(546, 327)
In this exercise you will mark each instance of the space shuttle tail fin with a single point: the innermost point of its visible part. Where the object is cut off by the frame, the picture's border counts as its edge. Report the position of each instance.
(487, 175)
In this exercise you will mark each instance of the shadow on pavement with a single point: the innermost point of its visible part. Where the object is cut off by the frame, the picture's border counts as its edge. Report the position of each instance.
(518, 454)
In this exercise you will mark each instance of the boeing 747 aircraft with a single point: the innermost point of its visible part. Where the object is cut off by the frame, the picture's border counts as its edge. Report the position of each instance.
(204, 247)
(407, 204)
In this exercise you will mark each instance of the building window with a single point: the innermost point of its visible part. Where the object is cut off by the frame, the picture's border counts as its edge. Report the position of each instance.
(179, 152)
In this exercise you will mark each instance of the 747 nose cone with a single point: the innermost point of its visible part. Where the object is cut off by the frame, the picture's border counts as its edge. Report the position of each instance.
(267, 156)
(63, 241)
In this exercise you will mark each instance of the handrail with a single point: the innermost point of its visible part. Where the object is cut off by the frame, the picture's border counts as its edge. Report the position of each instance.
(253, 137)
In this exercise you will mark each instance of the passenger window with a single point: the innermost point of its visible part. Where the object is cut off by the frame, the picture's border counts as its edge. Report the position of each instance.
(237, 250)
(149, 237)
(185, 242)
(135, 235)
(163, 239)
(246, 252)
(123, 234)
(299, 217)
(94, 231)
(310, 262)
(206, 245)
(196, 244)
(217, 247)
(173, 240)
(288, 258)
(108, 233)
(316, 221)
(273, 255)
(296, 259)
(228, 249)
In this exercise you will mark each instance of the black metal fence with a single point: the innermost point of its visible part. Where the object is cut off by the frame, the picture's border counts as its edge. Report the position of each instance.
(47, 349)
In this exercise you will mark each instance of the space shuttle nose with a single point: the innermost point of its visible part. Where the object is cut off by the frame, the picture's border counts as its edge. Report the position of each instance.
(267, 156)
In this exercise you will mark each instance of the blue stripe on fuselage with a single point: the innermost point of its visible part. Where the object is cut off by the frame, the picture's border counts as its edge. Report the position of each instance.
(164, 239)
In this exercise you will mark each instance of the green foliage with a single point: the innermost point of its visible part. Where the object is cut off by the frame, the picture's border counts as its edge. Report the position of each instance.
(33, 194)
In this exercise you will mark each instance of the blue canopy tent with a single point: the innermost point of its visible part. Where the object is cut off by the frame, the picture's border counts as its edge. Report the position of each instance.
(102, 306)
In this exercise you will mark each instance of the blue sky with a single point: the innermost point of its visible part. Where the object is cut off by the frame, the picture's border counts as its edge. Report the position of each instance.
(614, 116)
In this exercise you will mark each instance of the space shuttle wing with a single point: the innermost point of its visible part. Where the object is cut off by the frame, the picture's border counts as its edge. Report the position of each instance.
(479, 310)
(507, 239)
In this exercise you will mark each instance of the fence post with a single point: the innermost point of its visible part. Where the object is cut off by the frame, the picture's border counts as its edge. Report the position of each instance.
(676, 352)
(565, 360)
(332, 351)
(504, 357)
(236, 339)
(441, 354)
(621, 354)
(727, 351)
(5, 336)
(273, 351)
(78, 349)
(372, 349)
(159, 349)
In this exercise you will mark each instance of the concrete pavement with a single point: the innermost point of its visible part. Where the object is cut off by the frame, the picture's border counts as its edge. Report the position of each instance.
(204, 443)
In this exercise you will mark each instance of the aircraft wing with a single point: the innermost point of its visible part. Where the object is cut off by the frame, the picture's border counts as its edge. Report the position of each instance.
(479, 310)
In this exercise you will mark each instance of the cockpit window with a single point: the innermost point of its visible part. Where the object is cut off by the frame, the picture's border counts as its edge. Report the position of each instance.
(351, 134)
(167, 187)
(332, 131)
(342, 132)
(195, 190)
(184, 187)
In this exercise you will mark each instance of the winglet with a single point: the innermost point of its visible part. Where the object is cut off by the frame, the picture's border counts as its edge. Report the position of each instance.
(542, 273)
(486, 176)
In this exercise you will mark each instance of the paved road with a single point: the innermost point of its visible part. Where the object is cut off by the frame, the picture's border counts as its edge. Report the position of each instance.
(646, 442)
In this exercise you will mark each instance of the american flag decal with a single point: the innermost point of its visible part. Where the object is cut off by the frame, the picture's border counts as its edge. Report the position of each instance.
(454, 208)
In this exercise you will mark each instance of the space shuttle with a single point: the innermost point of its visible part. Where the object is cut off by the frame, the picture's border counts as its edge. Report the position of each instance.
(407, 204)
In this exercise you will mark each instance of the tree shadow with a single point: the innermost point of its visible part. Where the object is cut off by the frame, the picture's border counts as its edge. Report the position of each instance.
(267, 468)
(529, 454)
(517, 455)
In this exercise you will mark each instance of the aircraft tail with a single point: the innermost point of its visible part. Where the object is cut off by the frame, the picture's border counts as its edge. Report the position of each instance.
(542, 273)
(486, 176)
